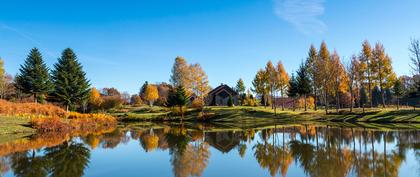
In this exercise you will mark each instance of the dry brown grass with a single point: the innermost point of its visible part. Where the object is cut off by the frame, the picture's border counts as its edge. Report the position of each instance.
(30, 110)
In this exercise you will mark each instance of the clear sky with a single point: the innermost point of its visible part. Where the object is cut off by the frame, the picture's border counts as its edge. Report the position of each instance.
(124, 43)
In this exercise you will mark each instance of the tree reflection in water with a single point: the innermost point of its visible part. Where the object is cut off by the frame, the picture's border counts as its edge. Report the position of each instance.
(319, 151)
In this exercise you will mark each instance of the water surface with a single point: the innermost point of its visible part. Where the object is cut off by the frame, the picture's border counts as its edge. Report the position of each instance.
(158, 150)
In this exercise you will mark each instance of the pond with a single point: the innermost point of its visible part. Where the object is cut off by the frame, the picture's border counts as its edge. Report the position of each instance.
(163, 150)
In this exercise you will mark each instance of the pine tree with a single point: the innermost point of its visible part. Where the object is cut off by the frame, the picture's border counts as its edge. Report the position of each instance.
(33, 77)
(143, 90)
(303, 82)
(71, 85)
(292, 91)
(398, 91)
(181, 98)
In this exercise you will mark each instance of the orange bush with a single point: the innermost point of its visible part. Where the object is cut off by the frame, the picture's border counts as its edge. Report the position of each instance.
(50, 125)
(30, 109)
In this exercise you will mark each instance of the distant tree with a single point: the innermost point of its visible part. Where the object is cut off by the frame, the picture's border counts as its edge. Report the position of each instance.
(2, 79)
(111, 92)
(282, 81)
(33, 77)
(388, 95)
(339, 81)
(415, 56)
(398, 91)
(179, 98)
(366, 58)
(271, 72)
(240, 88)
(376, 96)
(180, 73)
(71, 86)
(95, 99)
(323, 70)
(293, 90)
(260, 85)
(313, 70)
(230, 101)
(135, 100)
(151, 94)
(143, 90)
(125, 97)
(382, 67)
(352, 74)
(163, 91)
(363, 98)
(199, 81)
(303, 83)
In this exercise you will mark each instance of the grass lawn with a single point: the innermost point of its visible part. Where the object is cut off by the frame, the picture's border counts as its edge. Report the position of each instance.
(14, 128)
(253, 115)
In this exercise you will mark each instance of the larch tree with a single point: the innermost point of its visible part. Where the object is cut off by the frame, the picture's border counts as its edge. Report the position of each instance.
(151, 94)
(313, 70)
(282, 81)
(415, 56)
(323, 67)
(199, 81)
(71, 87)
(352, 74)
(303, 83)
(385, 75)
(398, 91)
(366, 58)
(339, 78)
(240, 88)
(272, 82)
(180, 73)
(260, 85)
(33, 77)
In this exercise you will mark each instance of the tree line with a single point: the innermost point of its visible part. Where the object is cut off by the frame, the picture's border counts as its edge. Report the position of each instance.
(368, 79)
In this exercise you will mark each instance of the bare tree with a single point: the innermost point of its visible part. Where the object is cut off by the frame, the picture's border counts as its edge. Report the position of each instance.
(415, 56)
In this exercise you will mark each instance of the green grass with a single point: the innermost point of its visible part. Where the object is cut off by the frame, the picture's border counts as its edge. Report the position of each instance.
(13, 128)
(253, 115)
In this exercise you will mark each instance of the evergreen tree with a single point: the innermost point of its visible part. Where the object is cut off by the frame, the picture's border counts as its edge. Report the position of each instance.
(398, 91)
(303, 82)
(178, 97)
(143, 90)
(292, 91)
(33, 77)
(363, 98)
(388, 95)
(230, 101)
(71, 85)
(376, 96)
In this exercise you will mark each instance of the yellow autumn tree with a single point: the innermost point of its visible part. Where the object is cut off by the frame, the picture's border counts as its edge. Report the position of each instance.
(322, 70)
(382, 65)
(339, 81)
(95, 99)
(272, 82)
(282, 81)
(199, 82)
(151, 94)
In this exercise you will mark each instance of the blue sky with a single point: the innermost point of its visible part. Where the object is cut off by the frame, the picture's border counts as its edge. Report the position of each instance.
(124, 43)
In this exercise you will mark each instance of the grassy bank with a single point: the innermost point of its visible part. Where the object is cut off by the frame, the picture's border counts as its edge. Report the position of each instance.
(261, 114)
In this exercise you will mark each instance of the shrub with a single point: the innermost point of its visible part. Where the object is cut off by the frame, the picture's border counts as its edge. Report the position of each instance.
(110, 102)
(197, 103)
(53, 124)
(230, 101)
(30, 109)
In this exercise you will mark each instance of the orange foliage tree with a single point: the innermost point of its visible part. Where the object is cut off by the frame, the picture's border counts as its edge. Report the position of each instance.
(151, 94)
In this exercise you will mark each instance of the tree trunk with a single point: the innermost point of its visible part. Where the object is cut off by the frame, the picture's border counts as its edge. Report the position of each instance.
(35, 99)
(326, 102)
(351, 99)
(305, 102)
(398, 103)
(337, 104)
(315, 100)
(383, 96)
(282, 101)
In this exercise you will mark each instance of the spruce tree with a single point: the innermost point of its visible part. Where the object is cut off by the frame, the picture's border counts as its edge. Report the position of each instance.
(230, 101)
(303, 82)
(181, 98)
(292, 90)
(398, 91)
(33, 77)
(70, 84)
